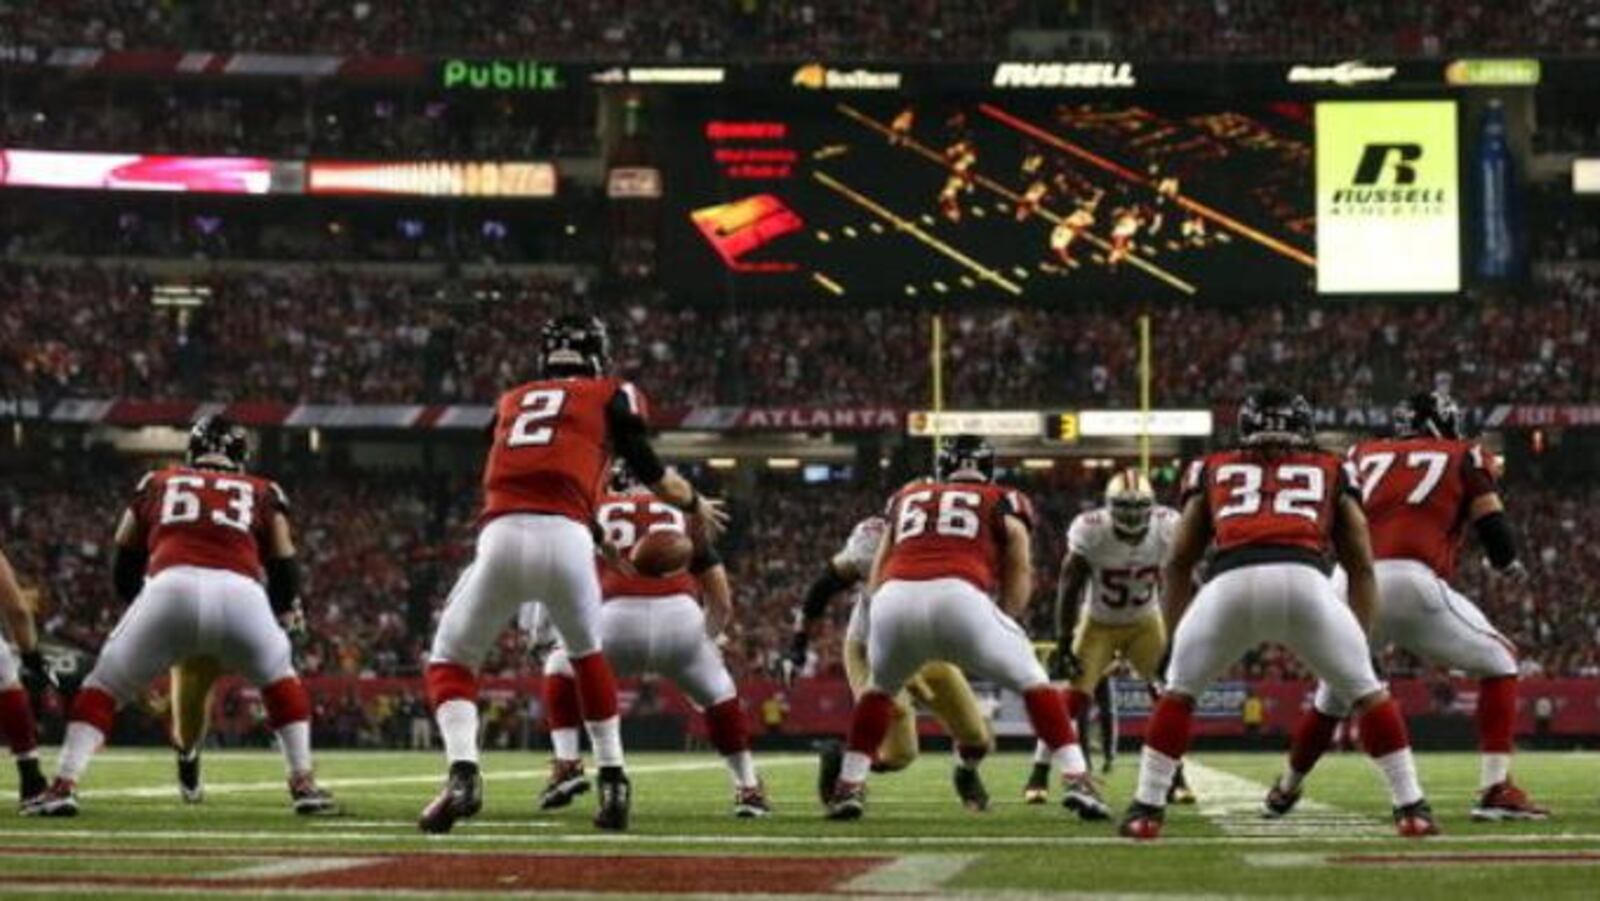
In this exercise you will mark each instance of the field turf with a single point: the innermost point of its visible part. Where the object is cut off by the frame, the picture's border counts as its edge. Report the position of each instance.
(134, 837)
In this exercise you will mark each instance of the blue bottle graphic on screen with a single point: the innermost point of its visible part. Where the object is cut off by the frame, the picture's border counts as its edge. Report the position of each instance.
(1496, 176)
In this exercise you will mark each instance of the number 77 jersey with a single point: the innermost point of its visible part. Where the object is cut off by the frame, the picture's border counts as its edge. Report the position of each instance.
(1416, 493)
(1269, 506)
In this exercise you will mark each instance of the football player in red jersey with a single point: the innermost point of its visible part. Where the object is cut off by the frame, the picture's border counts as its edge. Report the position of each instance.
(553, 442)
(191, 552)
(656, 625)
(1421, 489)
(955, 540)
(1270, 509)
(20, 674)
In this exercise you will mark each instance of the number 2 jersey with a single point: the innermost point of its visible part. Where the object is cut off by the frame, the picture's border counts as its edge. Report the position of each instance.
(1270, 505)
(1417, 493)
(211, 518)
(1124, 576)
(951, 530)
(553, 444)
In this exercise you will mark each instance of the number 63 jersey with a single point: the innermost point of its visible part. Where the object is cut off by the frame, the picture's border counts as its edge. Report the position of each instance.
(1124, 576)
(209, 518)
(1270, 506)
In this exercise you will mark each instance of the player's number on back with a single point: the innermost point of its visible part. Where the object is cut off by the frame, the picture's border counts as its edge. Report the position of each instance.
(1432, 464)
(1300, 489)
(181, 503)
(538, 406)
(620, 530)
(956, 516)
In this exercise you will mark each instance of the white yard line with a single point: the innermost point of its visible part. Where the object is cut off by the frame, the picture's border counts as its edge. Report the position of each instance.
(1233, 804)
(290, 868)
(911, 874)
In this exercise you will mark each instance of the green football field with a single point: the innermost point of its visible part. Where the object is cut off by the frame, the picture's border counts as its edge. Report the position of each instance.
(134, 837)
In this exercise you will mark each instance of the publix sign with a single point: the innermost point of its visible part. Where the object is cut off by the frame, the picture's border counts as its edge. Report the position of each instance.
(500, 75)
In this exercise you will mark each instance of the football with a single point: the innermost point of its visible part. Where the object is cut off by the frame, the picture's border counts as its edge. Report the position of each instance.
(662, 553)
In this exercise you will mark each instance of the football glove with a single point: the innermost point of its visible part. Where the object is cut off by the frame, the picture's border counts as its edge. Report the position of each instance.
(1515, 573)
(1064, 665)
(793, 662)
(37, 676)
(294, 625)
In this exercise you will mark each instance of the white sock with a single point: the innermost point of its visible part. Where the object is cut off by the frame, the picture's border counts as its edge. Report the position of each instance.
(605, 736)
(742, 767)
(1155, 777)
(80, 743)
(1496, 768)
(1400, 771)
(856, 766)
(1041, 752)
(1292, 779)
(564, 743)
(1069, 760)
(296, 741)
(458, 725)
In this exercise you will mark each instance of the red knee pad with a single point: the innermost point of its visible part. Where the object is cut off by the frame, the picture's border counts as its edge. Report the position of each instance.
(95, 707)
(597, 687)
(1383, 730)
(1169, 727)
(730, 733)
(16, 718)
(287, 701)
(869, 722)
(1048, 714)
(1077, 702)
(1312, 737)
(561, 702)
(450, 682)
(1497, 714)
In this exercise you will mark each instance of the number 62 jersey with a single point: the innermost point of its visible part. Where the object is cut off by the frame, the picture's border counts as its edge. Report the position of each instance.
(1124, 576)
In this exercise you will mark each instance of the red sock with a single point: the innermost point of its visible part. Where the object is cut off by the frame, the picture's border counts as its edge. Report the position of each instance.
(1169, 727)
(1047, 712)
(447, 681)
(1383, 730)
(1312, 737)
(1497, 714)
(16, 720)
(870, 722)
(561, 702)
(96, 707)
(287, 702)
(597, 687)
(1077, 703)
(730, 734)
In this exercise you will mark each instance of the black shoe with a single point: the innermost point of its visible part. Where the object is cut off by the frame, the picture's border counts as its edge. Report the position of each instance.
(1142, 822)
(1415, 820)
(309, 799)
(1279, 801)
(189, 787)
(567, 782)
(460, 799)
(830, 763)
(1082, 797)
(751, 803)
(31, 782)
(969, 786)
(1037, 791)
(847, 801)
(616, 799)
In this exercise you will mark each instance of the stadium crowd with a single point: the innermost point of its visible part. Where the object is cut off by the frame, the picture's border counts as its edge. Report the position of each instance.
(332, 336)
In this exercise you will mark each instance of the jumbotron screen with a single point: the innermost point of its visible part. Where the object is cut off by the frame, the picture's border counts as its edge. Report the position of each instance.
(1021, 198)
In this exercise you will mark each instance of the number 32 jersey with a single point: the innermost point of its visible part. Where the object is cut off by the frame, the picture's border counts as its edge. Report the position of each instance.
(1270, 506)
(1124, 577)
(951, 530)
(1416, 492)
(209, 518)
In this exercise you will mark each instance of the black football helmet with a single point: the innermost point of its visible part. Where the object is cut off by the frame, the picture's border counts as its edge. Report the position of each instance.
(215, 441)
(1276, 416)
(574, 345)
(965, 453)
(622, 478)
(1430, 413)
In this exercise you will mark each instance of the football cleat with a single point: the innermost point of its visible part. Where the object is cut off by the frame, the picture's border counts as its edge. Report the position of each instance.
(59, 800)
(1415, 820)
(31, 783)
(750, 803)
(309, 799)
(1180, 792)
(830, 762)
(189, 787)
(1506, 801)
(969, 787)
(1142, 822)
(1279, 801)
(460, 799)
(1037, 791)
(616, 799)
(567, 782)
(848, 801)
(1083, 798)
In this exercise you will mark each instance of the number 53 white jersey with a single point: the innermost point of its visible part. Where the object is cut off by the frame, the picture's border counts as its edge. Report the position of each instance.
(1124, 577)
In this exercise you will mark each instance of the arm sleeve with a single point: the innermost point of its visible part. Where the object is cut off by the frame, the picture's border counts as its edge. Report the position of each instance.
(1194, 482)
(1499, 542)
(1015, 503)
(704, 559)
(127, 570)
(823, 589)
(1476, 476)
(283, 583)
(630, 435)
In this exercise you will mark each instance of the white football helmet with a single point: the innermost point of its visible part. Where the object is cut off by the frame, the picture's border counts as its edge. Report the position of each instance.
(1131, 500)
